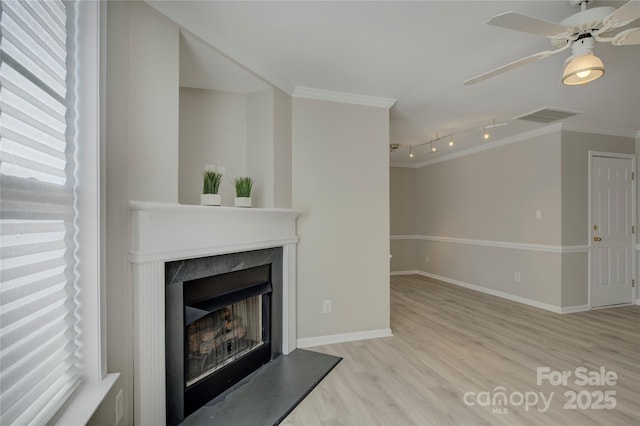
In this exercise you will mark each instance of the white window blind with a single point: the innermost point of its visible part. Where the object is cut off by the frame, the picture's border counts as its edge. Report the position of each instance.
(39, 313)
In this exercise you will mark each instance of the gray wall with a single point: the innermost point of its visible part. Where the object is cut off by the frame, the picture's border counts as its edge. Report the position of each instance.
(260, 146)
(248, 134)
(404, 216)
(282, 119)
(341, 185)
(404, 198)
(213, 131)
(493, 196)
(141, 151)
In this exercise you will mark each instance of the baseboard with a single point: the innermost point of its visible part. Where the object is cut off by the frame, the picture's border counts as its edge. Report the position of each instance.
(574, 309)
(411, 272)
(308, 342)
(497, 293)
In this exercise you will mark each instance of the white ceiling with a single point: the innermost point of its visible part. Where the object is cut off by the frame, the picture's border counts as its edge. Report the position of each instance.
(419, 53)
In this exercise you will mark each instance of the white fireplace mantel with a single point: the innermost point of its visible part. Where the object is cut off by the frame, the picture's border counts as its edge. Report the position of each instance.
(163, 232)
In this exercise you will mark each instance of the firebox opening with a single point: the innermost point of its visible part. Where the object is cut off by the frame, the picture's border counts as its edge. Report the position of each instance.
(227, 319)
(223, 322)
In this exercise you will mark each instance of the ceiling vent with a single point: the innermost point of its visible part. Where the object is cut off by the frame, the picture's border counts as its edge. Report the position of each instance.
(547, 115)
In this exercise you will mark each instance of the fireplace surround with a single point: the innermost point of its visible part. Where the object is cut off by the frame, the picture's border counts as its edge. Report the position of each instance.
(223, 321)
(165, 232)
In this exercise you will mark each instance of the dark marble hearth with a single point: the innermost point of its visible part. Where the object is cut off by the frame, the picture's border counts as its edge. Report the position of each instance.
(267, 396)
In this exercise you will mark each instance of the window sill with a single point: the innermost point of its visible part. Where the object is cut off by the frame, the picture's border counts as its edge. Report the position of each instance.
(87, 399)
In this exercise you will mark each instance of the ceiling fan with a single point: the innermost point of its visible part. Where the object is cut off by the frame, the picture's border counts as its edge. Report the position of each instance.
(579, 31)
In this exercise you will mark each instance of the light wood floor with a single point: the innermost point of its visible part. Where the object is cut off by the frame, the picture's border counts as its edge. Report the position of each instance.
(448, 341)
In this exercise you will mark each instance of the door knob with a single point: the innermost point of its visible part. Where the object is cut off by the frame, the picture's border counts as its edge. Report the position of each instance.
(597, 239)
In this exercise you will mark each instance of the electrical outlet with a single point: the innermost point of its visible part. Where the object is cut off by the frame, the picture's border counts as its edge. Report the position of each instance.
(119, 407)
(517, 277)
(539, 214)
(426, 259)
(326, 306)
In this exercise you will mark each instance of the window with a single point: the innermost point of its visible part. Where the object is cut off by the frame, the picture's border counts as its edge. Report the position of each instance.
(42, 351)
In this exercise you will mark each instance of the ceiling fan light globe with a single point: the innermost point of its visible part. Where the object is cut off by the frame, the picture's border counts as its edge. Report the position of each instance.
(583, 74)
(582, 69)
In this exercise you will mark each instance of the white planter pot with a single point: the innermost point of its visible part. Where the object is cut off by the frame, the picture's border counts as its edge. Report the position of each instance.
(210, 199)
(242, 202)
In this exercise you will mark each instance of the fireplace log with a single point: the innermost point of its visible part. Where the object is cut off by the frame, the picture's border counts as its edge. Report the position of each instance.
(206, 346)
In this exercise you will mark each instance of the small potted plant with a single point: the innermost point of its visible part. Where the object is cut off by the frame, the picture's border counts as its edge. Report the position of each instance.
(243, 191)
(210, 196)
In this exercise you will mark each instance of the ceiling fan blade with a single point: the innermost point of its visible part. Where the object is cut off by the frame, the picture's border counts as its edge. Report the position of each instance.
(512, 65)
(623, 15)
(627, 37)
(527, 24)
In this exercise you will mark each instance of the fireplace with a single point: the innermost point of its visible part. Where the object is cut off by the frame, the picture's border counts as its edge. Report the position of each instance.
(162, 236)
(223, 322)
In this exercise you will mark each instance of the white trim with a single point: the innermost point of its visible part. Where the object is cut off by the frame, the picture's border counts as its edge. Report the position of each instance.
(90, 106)
(342, 97)
(612, 155)
(501, 294)
(517, 138)
(498, 244)
(632, 158)
(408, 272)
(152, 205)
(90, 21)
(86, 401)
(490, 145)
(574, 309)
(143, 257)
(308, 342)
(571, 127)
(162, 232)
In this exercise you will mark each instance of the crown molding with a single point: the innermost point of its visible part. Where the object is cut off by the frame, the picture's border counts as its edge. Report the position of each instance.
(490, 145)
(342, 97)
(519, 138)
(582, 129)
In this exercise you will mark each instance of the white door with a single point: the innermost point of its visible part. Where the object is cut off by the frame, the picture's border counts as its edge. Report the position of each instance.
(611, 237)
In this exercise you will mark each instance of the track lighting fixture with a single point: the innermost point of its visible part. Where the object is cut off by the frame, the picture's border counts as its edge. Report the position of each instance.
(431, 142)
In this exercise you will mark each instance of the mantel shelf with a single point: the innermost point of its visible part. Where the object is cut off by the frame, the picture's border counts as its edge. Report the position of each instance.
(172, 231)
(152, 205)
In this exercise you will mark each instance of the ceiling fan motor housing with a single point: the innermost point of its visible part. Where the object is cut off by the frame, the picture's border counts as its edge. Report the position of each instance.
(583, 45)
(578, 2)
